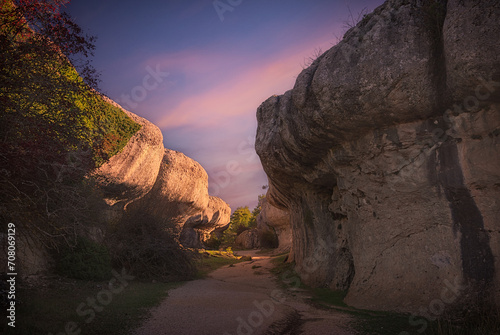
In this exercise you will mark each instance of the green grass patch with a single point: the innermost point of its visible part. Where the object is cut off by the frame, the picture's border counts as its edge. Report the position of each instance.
(53, 309)
(211, 260)
(115, 126)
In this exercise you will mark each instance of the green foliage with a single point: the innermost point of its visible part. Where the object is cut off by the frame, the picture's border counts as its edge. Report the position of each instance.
(54, 128)
(241, 220)
(86, 260)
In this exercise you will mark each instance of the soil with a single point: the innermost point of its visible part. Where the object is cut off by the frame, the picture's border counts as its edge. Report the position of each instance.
(242, 299)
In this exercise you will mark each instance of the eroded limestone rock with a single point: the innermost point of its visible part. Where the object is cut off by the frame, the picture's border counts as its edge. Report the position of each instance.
(130, 174)
(392, 189)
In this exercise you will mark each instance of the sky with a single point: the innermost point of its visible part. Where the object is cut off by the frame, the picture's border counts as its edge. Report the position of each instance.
(199, 69)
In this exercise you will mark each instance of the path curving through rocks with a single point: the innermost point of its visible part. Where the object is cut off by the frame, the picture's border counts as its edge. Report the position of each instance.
(242, 299)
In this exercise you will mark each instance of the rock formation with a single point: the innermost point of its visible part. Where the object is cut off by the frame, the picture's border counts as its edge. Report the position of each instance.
(248, 239)
(165, 184)
(386, 153)
(130, 174)
(272, 231)
(275, 220)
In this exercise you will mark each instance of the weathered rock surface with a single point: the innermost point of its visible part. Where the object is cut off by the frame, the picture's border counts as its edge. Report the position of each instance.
(272, 231)
(275, 220)
(198, 228)
(386, 153)
(180, 190)
(130, 174)
(248, 239)
(167, 185)
(179, 200)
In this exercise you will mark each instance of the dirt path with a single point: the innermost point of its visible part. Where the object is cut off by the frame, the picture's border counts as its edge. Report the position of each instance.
(242, 300)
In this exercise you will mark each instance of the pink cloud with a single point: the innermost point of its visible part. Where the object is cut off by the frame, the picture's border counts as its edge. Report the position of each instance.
(235, 95)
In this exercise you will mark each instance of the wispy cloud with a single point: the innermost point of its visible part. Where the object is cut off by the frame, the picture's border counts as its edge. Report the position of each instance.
(230, 95)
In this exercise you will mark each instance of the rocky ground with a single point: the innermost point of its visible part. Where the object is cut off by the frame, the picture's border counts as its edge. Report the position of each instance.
(241, 299)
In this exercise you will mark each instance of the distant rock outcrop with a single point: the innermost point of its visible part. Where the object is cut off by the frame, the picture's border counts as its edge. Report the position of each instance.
(386, 153)
(248, 239)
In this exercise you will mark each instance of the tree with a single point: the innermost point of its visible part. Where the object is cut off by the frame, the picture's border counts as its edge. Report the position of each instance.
(256, 210)
(52, 125)
(240, 221)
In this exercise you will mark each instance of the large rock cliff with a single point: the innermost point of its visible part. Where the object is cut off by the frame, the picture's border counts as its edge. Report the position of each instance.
(387, 155)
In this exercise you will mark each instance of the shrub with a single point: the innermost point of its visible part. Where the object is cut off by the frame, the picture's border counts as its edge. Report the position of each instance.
(143, 246)
(86, 260)
(213, 242)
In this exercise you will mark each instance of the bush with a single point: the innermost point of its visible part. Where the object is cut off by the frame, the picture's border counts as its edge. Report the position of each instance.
(86, 260)
(144, 247)
(213, 242)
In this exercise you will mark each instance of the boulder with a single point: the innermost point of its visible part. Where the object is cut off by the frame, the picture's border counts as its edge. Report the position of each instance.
(386, 153)
(248, 239)
(179, 200)
(180, 191)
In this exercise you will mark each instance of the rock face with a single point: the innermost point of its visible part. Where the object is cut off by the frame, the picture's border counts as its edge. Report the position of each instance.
(249, 239)
(275, 220)
(130, 174)
(272, 231)
(180, 190)
(386, 154)
(198, 228)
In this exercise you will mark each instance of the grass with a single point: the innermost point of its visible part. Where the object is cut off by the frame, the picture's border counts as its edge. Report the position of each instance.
(211, 260)
(53, 309)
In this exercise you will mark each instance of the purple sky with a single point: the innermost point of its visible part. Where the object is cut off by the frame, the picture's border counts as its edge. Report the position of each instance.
(200, 73)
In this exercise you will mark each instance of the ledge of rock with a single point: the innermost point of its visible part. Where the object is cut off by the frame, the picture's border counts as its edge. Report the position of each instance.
(386, 153)
(165, 184)
(198, 228)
